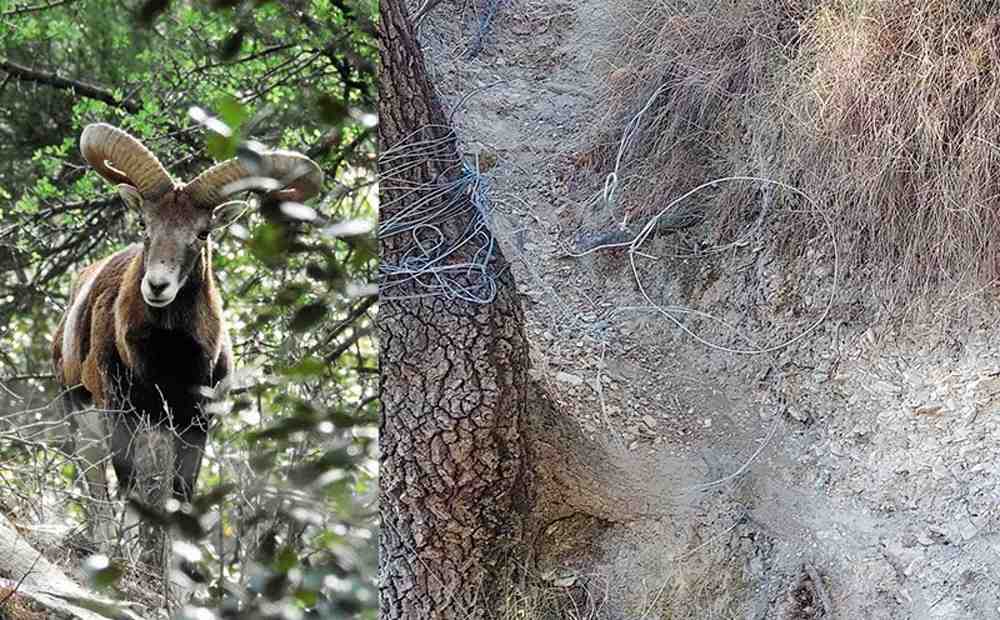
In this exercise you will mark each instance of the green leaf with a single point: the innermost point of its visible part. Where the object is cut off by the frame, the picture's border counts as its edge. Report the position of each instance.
(307, 598)
(291, 293)
(286, 560)
(307, 368)
(101, 572)
(220, 147)
(308, 316)
(233, 112)
(270, 244)
(332, 110)
(231, 45)
(150, 10)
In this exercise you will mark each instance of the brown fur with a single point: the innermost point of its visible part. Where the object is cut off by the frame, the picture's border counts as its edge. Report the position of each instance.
(126, 364)
(115, 308)
(143, 335)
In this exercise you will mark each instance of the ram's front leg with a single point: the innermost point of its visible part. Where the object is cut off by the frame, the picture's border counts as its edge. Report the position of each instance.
(92, 453)
(189, 446)
(124, 430)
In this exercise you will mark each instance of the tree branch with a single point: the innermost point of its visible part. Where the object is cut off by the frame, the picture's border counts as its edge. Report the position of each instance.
(45, 583)
(90, 91)
(423, 11)
(348, 321)
(347, 344)
(265, 52)
(28, 377)
(97, 203)
(32, 9)
(326, 143)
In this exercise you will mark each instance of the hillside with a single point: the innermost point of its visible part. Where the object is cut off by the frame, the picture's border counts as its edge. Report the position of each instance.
(756, 246)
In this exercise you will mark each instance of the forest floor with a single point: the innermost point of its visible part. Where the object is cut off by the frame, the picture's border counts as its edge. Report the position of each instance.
(849, 474)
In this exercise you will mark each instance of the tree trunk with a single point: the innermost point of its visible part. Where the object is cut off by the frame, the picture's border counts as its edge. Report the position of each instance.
(453, 483)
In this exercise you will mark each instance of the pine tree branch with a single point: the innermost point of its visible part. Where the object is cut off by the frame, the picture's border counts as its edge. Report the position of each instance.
(90, 91)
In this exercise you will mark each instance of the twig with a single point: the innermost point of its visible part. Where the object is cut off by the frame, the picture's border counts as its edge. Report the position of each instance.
(40, 375)
(469, 95)
(357, 335)
(349, 320)
(24, 442)
(650, 226)
(743, 468)
(364, 403)
(485, 21)
(32, 9)
(321, 147)
(423, 11)
(89, 91)
(226, 63)
(603, 400)
(20, 581)
(10, 392)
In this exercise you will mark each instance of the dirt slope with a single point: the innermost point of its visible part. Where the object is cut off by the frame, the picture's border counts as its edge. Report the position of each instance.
(867, 451)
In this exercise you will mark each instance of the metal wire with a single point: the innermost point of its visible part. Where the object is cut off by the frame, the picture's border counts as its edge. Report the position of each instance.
(428, 267)
(485, 21)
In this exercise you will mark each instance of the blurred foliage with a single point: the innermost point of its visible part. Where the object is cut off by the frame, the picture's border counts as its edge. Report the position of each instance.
(284, 525)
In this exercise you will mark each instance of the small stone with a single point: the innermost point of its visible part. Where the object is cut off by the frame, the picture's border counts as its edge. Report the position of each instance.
(649, 421)
(932, 409)
(967, 530)
(798, 414)
(565, 377)
(564, 581)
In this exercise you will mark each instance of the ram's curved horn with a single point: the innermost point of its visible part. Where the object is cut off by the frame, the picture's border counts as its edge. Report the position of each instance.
(120, 158)
(299, 177)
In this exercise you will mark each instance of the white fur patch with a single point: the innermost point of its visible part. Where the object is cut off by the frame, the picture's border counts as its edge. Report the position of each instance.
(71, 344)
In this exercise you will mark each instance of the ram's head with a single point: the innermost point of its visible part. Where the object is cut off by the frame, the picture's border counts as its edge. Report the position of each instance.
(178, 218)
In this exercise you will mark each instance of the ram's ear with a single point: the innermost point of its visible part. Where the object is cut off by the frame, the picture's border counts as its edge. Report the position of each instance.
(130, 196)
(228, 212)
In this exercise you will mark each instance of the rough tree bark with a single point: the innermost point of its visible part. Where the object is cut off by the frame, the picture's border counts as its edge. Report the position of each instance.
(476, 461)
(454, 380)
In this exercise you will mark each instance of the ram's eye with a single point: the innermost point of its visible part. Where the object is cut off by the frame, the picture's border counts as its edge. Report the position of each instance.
(203, 235)
(142, 224)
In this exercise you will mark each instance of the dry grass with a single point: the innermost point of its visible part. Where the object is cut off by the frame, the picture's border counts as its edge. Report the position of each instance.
(711, 585)
(715, 594)
(540, 601)
(887, 113)
(15, 607)
(521, 593)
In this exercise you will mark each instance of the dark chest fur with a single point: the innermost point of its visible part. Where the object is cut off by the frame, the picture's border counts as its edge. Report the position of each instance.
(163, 386)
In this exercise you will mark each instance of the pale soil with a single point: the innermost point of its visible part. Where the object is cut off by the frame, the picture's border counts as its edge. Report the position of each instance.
(878, 473)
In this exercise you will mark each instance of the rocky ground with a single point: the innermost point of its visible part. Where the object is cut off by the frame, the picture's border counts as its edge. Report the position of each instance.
(848, 474)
